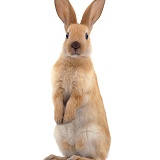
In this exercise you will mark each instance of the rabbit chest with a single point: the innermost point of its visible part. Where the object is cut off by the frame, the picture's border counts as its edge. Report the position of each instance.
(75, 79)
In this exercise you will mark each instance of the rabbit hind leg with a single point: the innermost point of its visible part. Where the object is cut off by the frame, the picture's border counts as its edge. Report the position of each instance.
(92, 143)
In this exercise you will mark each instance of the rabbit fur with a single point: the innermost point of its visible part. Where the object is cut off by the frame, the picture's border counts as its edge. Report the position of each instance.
(82, 131)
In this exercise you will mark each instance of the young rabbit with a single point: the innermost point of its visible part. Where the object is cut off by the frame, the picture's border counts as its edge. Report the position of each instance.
(82, 131)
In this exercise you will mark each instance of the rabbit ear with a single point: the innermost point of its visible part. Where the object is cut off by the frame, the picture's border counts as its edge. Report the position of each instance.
(92, 13)
(65, 12)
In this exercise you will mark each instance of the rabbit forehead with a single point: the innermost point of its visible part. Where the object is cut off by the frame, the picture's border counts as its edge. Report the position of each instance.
(77, 28)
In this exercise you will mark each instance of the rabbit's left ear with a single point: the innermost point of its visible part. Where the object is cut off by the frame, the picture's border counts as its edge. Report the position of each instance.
(92, 13)
(65, 12)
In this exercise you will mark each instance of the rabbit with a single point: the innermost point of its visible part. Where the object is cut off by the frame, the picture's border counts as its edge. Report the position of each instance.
(82, 131)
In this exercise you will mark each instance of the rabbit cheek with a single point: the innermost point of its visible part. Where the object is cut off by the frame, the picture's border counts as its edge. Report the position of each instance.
(87, 49)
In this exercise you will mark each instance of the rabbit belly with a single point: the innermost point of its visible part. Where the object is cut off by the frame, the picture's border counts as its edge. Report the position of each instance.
(81, 137)
(86, 142)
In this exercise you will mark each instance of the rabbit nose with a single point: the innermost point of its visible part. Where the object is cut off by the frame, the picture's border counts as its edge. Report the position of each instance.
(75, 45)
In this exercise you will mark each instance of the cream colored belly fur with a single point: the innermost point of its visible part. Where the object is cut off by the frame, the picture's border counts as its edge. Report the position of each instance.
(78, 138)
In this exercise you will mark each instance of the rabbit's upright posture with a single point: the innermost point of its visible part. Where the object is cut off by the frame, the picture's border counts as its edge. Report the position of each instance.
(82, 131)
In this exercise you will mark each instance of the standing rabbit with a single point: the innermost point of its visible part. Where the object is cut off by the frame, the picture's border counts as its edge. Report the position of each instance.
(82, 131)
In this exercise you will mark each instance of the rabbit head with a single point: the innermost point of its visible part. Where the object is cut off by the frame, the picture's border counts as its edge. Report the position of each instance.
(77, 42)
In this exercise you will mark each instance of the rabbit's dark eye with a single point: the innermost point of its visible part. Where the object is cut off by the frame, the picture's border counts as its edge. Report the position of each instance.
(86, 35)
(67, 35)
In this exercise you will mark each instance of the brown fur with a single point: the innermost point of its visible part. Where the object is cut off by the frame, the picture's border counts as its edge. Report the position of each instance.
(90, 16)
(82, 131)
(65, 12)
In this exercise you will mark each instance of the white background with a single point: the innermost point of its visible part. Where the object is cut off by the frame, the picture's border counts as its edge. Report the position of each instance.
(126, 56)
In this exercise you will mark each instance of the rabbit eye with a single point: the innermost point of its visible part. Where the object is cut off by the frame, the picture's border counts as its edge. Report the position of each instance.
(67, 35)
(86, 35)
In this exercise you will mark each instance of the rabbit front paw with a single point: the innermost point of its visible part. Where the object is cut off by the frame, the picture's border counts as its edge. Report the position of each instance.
(58, 116)
(69, 116)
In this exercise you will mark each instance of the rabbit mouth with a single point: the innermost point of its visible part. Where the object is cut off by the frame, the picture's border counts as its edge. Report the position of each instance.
(75, 54)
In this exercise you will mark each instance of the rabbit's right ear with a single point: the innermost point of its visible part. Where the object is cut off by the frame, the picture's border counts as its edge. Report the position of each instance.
(65, 12)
